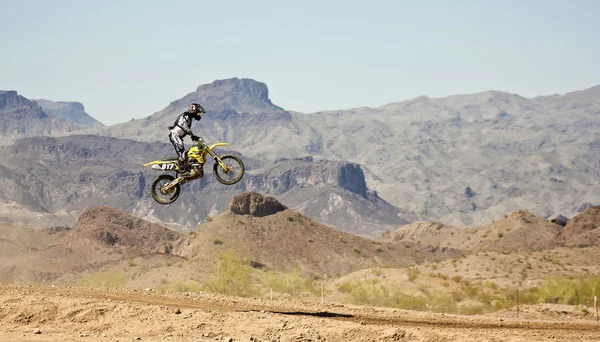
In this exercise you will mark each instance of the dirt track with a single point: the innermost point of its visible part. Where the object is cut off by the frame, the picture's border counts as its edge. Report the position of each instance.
(46, 313)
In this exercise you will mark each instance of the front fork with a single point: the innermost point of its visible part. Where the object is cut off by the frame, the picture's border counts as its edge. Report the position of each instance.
(218, 160)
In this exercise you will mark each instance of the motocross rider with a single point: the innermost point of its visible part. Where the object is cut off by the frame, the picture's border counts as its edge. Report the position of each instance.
(180, 129)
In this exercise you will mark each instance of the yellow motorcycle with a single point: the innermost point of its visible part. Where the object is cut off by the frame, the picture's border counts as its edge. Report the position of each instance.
(228, 170)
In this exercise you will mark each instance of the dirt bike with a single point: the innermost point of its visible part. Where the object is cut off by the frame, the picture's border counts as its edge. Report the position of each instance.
(228, 170)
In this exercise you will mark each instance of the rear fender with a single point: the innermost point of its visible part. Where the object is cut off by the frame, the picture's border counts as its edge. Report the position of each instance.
(161, 165)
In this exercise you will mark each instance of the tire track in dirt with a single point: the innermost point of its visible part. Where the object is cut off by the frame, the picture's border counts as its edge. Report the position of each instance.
(364, 316)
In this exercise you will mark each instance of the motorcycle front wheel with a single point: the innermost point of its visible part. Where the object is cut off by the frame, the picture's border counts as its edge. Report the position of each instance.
(234, 171)
(160, 195)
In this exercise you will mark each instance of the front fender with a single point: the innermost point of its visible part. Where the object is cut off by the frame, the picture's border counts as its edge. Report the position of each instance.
(217, 144)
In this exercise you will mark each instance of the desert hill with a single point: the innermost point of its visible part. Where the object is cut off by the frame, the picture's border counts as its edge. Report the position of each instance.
(112, 227)
(262, 230)
(257, 227)
(582, 230)
(404, 268)
(521, 231)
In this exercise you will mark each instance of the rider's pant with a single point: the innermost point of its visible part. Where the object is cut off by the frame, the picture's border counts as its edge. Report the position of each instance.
(178, 145)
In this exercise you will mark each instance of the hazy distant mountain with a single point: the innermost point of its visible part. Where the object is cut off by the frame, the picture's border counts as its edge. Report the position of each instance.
(52, 180)
(239, 111)
(71, 111)
(20, 117)
(460, 160)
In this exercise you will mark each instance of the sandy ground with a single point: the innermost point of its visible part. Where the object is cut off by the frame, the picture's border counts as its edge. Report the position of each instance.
(51, 313)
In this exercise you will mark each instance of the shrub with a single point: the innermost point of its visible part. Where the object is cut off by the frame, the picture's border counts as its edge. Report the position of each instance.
(368, 292)
(376, 271)
(181, 286)
(570, 291)
(292, 283)
(233, 276)
(413, 273)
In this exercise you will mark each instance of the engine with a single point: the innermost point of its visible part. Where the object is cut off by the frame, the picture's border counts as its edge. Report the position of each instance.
(196, 171)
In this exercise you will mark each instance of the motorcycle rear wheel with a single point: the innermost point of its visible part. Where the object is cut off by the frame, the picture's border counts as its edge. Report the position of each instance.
(169, 196)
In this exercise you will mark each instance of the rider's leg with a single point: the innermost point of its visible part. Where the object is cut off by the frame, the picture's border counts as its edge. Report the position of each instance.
(179, 148)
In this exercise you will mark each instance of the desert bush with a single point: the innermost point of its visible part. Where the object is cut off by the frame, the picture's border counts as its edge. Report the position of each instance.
(233, 276)
(181, 286)
(368, 292)
(103, 279)
(476, 298)
(292, 283)
(456, 279)
(442, 276)
(408, 302)
(413, 273)
(376, 271)
(569, 291)
(442, 302)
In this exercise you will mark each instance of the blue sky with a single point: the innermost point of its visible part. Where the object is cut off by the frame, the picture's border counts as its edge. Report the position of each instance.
(128, 59)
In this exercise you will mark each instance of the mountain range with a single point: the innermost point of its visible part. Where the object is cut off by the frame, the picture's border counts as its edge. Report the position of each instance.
(462, 160)
(56, 179)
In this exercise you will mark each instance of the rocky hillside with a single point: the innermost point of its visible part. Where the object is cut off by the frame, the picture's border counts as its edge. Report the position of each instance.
(21, 117)
(521, 231)
(582, 230)
(113, 227)
(257, 227)
(239, 112)
(261, 229)
(53, 180)
(71, 111)
(461, 160)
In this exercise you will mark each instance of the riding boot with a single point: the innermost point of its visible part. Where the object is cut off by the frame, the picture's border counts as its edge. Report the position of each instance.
(182, 165)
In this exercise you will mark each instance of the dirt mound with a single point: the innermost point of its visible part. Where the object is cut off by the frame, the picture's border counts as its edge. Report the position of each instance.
(581, 230)
(113, 227)
(255, 204)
